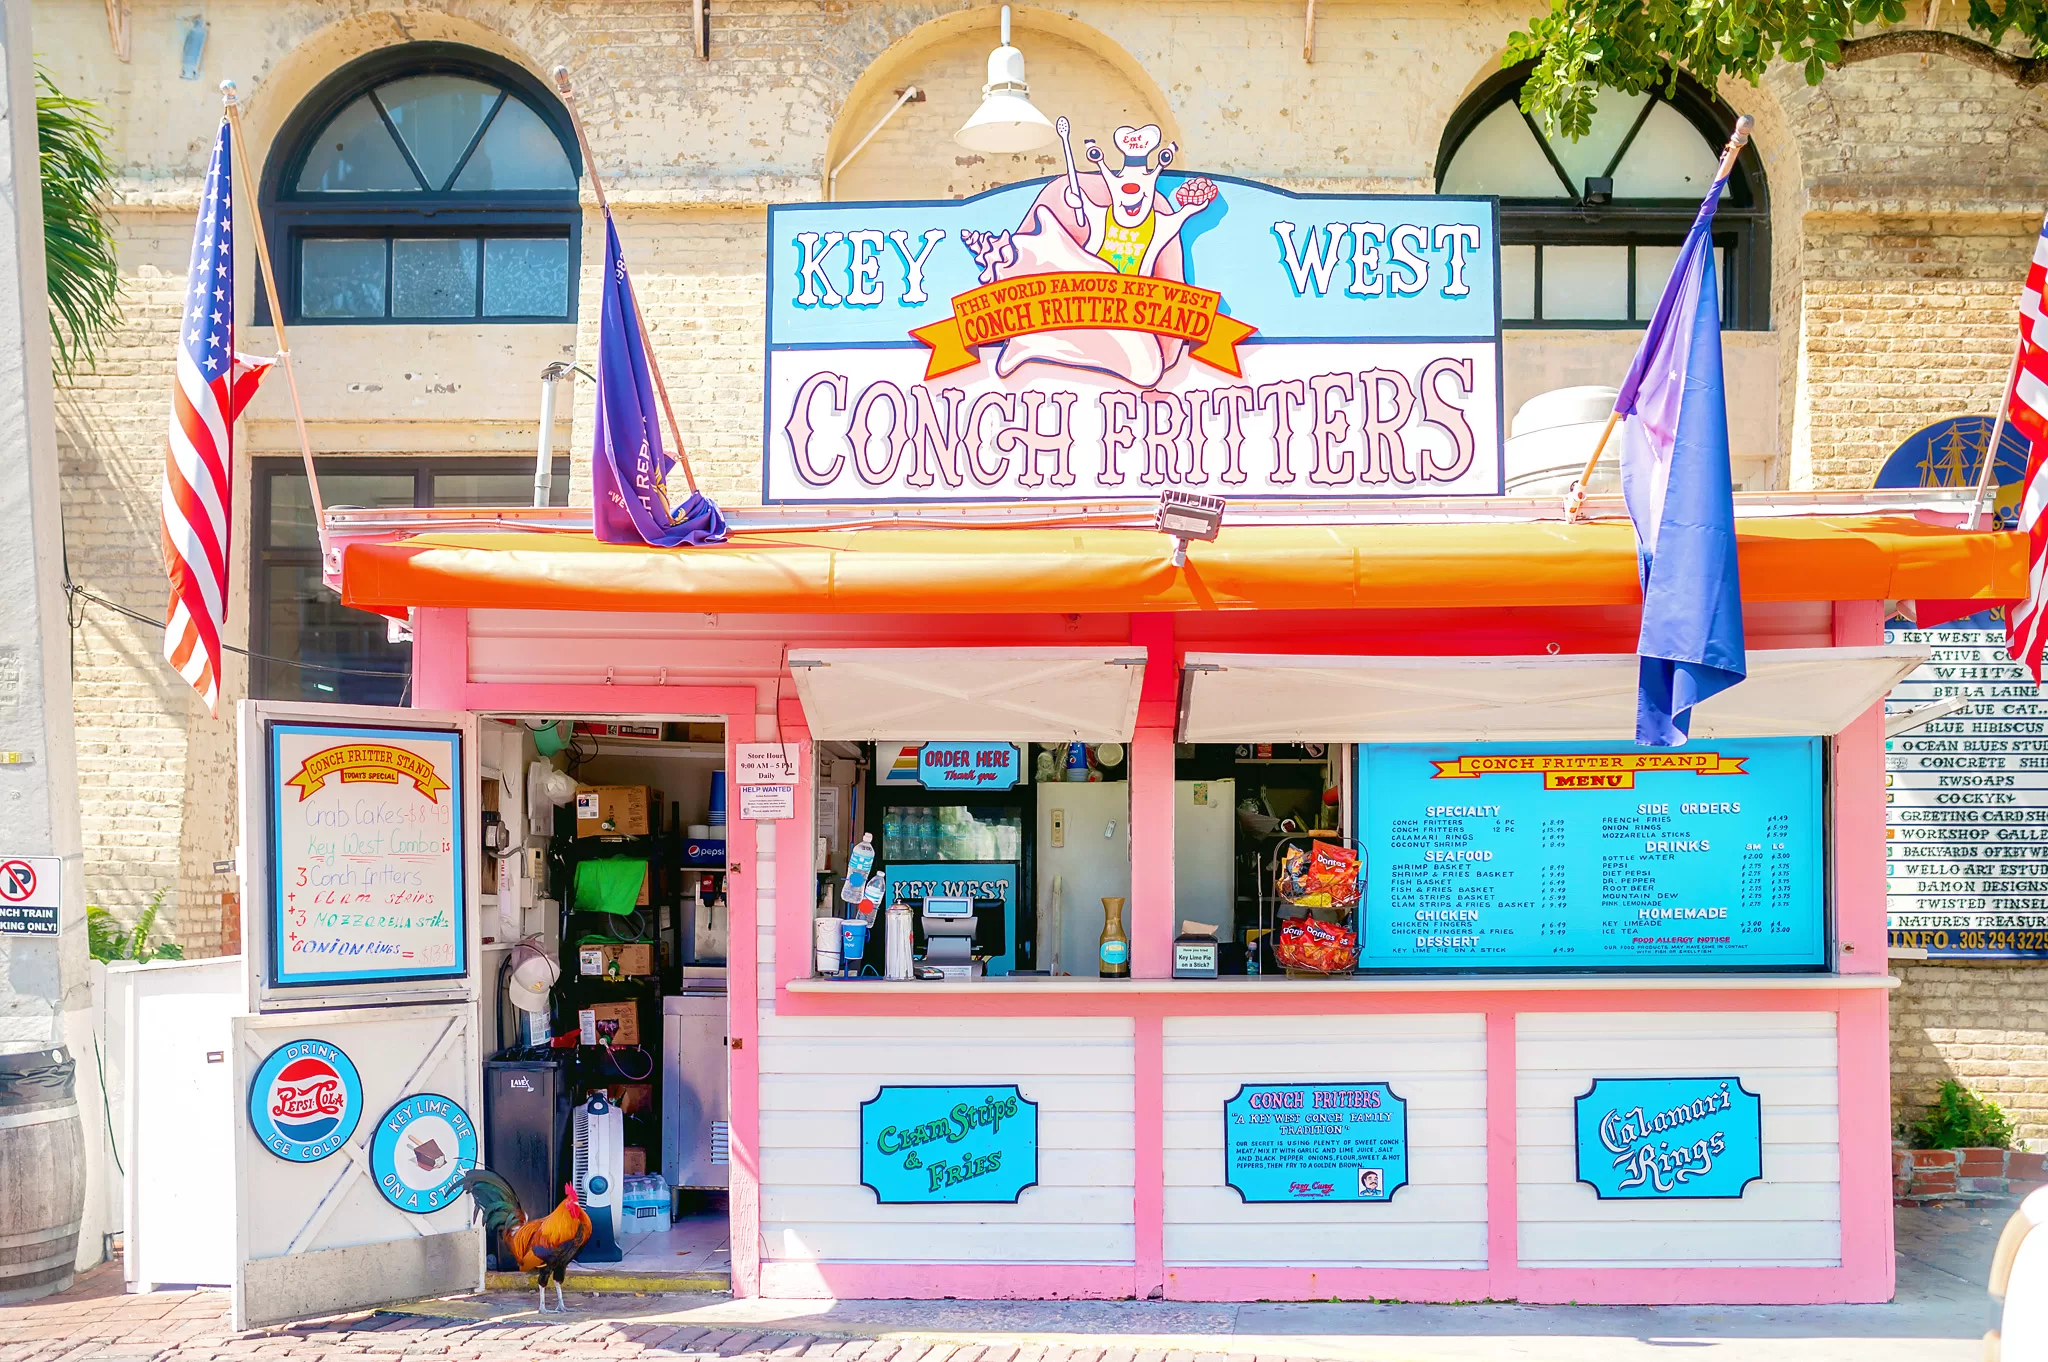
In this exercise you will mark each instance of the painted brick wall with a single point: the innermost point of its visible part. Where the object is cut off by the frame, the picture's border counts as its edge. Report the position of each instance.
(1983, 1024)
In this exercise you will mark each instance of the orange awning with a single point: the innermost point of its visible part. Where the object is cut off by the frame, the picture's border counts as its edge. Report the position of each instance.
(1478, 564)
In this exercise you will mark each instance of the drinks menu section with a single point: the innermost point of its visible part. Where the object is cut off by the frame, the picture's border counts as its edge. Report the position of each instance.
(1593, 856)
(367, 877)
(1966, 801)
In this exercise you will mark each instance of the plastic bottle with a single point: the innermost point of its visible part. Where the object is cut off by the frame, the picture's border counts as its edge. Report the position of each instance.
(858, 862)
(871, 897)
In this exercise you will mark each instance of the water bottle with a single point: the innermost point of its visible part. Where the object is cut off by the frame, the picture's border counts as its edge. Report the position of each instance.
(858, 862)
(871, 897)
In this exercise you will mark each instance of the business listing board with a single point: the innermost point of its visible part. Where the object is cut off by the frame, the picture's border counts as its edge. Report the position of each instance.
(1966, 801)
(1520, 856)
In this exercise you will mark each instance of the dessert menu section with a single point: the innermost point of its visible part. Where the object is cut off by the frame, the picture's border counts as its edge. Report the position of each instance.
(1518, 856)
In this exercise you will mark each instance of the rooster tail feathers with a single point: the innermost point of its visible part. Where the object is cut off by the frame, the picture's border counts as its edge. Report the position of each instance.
(496, 1203)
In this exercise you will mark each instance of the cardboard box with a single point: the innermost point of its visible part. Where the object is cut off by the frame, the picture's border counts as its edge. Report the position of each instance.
(616, 810)
(699, 731)
(636, 1162)
(634, 959)
(634, 1099)
(627, 1015)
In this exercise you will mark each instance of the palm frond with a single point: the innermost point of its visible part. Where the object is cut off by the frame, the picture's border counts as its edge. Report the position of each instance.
(84, 278)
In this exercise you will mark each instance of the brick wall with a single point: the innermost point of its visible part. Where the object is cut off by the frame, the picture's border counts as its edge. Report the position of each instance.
(1985, 1025)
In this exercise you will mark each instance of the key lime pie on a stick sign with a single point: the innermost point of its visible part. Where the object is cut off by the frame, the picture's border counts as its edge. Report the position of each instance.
(1128, 326)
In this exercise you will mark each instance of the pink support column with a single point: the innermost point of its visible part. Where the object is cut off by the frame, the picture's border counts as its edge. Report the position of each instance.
(1859, 813)
(1864, 1110)
(796, 871)
(440, 658)
(743, 1055)
(1503, 1202)
(1150, 918)
(1148, 1192)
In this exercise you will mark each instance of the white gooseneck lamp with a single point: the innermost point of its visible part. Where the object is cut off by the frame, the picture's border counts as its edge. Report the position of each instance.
(1007, 120)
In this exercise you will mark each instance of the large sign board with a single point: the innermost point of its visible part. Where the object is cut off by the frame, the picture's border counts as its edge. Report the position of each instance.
(366, 867)
(1520, 856)
(1669, 1139)
(1966, 801)
(1106, 333)
(1297, 1142)
(963, 1145)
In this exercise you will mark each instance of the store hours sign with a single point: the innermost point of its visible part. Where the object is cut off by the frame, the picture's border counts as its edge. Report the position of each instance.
(1106, 333)
(1966, 801)
(1298, 1142)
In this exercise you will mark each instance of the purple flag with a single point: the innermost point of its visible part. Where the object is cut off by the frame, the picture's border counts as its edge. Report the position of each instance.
(629, 469)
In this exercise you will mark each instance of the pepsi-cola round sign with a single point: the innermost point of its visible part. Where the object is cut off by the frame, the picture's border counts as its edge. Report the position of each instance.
(306, 1101)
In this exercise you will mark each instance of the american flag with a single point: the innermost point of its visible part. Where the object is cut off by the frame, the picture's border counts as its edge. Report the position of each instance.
(213, 385)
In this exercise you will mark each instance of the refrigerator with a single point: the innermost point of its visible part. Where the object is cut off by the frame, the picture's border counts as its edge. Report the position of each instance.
(1082, 845)
(957, 843)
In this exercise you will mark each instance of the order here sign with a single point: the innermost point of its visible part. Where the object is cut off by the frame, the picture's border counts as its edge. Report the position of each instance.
(1101, 335)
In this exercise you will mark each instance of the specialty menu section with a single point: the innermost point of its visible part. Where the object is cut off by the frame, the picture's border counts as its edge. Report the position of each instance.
(366, 870)
(1520, 856)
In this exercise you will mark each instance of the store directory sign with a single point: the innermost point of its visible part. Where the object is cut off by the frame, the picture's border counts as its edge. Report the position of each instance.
(1521, 856)
(1966, 801)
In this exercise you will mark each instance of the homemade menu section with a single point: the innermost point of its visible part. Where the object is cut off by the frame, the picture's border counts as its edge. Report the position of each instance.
(366, 867)
(1593, 856)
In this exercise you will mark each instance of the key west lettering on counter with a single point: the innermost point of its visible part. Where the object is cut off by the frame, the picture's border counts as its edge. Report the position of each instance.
(1590, 855)
(367, 875)
(1666, 1139)
(949, 1144)
(1037, 343)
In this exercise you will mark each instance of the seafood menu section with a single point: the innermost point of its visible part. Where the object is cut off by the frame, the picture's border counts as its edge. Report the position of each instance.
(1593, 856)
(1966, 801)
(366, 866)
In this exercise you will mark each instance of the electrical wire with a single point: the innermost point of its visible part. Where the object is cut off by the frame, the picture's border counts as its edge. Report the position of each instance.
(80, 593)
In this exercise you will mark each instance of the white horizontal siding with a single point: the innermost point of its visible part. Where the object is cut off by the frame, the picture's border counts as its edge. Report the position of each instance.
(1436, 1064)
(1792, 1218)
(815, 1073)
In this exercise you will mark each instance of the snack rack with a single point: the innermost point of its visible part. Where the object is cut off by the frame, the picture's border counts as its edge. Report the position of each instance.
(1275, 903)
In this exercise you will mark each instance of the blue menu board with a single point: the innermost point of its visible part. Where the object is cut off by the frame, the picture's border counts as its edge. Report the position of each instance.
(1522, 856)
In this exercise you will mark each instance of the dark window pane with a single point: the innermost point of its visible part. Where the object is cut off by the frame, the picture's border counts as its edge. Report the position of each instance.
(305, 623)
(484, 489)
(519, 152)
(526, 278)
(433, 278)
(291, 510)
(341, 277)
(437, 116)
(354, 154)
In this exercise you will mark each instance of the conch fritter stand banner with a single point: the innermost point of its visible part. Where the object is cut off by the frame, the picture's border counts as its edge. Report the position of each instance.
(1106, 333)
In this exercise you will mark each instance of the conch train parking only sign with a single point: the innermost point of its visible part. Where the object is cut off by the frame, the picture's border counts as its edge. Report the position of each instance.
(1109, 332)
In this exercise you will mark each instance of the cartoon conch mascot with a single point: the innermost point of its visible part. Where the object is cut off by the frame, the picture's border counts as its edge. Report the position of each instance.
(1113, 223)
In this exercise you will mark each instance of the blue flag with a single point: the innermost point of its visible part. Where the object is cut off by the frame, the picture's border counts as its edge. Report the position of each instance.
(629, 469)
(1676, 480)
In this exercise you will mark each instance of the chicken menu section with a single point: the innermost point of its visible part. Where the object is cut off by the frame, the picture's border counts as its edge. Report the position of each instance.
(366, 865)
(1593, 856)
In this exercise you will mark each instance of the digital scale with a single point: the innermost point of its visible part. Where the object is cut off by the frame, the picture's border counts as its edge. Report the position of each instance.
(949, 925)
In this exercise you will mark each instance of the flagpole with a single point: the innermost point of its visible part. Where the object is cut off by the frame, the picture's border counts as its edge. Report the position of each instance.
(1575, 500)
(284, 348)
(639, 318)
(1997, 434)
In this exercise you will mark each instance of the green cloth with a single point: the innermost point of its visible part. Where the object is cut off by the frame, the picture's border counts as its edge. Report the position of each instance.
(609, 886)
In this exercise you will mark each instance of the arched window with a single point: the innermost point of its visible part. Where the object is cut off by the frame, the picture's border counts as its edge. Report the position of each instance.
(1590, 229)
(426, 183)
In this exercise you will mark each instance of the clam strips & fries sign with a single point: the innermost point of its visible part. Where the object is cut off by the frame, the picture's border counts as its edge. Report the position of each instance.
(1109, 332)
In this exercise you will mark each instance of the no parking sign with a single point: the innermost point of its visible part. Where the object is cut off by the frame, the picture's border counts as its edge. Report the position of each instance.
(29, 895)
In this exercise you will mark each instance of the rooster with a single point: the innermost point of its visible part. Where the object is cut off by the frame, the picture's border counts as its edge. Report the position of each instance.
(547, 1245)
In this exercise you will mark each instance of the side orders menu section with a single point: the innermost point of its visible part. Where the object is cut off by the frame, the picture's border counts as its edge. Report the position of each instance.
(1524, 856)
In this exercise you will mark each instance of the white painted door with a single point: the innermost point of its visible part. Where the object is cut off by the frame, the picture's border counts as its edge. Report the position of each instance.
(357, 1066)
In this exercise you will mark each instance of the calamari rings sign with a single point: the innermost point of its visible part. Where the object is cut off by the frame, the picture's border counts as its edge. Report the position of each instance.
(1588, 770)
(1669, 1139)
(1065, 301)
(365, 763)
(1120, 328)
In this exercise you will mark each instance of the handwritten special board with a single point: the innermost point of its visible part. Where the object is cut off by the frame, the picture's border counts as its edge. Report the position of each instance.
(1593, 856)
(1297, 1142)
(367, 873)
(1669, 1139)
(962, 1145)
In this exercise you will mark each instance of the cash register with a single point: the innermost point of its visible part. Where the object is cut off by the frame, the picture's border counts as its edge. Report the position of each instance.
(949, 926)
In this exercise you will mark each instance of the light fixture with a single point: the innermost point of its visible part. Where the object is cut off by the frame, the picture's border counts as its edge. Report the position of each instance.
(1185, 516)
(1007, 120)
